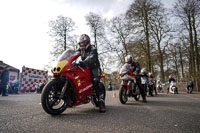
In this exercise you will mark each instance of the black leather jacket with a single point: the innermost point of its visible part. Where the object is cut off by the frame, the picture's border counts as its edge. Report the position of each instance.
(89, 57)
(136, 67)
(172, 79)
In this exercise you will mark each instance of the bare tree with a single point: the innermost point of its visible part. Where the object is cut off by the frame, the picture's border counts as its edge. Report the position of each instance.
(140, 12)
(120, 32)
(72, 41)
(96, 24)
(97, 27)
(173, 59)
(159, 31)
(59, 31)
(189, 13)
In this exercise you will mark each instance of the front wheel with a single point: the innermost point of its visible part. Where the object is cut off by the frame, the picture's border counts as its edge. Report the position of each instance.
(122, 95)
(50, 100)
(137, 96)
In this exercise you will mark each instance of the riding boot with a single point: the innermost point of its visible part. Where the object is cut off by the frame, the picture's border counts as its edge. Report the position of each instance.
(102, 107)
(144, 99)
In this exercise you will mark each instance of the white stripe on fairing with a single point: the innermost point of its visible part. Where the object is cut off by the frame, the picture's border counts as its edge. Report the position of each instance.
(76, 77)
(84, 89)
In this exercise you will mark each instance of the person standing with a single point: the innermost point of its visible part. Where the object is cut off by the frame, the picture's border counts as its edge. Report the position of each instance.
(4, 80)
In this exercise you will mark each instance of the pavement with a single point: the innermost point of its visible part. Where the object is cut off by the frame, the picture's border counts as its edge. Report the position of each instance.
(163, 113)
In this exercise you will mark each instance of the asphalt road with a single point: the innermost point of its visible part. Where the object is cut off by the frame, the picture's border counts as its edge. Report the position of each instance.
(164, 113)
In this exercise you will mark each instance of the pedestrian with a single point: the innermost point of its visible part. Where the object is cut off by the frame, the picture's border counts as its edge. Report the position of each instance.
(4, 80)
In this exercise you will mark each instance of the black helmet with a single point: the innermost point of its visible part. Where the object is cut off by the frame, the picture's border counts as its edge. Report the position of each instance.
(84, 38)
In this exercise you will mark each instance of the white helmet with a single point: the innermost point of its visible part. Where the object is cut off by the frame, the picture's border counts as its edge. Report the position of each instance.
(143, 70)
(150, 75)
(129, 59)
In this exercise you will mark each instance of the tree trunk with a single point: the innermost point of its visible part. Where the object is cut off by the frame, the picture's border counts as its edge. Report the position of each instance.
(196, 45)
(192, 52)
(162, 69)
(65, 40)
(196, 54)
(181, 62)
(176, 65)
(147, 40)
(162, 74)
(95, 39)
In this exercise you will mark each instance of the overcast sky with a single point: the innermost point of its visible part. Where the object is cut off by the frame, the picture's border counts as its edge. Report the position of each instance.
(24, 25)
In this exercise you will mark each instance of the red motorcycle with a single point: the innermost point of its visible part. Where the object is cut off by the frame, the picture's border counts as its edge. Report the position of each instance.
(128, 87)
(70, 86)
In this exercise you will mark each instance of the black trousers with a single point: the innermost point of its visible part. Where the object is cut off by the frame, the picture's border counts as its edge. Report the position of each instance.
(3, 90)
(142, 91)
(144, 86)
(151, 90)
(96, 76)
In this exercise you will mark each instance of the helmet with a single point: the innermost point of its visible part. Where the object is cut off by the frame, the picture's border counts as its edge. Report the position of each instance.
(150, 75)
(143, 70)
(129, 59)
(85, 39)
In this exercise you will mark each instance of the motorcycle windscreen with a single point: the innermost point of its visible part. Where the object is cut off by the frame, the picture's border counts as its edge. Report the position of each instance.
(62, 60)
(125, 68)
(66, 54)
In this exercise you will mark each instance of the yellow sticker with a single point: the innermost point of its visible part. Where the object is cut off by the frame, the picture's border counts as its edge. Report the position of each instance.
(79, 82)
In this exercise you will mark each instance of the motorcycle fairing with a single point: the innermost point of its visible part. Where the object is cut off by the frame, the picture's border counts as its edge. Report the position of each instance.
(127, 86)
(79, 78)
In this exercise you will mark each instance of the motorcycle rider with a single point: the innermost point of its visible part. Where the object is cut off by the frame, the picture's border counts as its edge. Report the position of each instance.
(89, 58)
(159, 86)
(135, 66)
(171, 79)
(152, 84)
(190, 84)
(144, 80)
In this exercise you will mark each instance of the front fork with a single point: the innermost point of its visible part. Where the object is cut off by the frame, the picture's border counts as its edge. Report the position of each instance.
(63, 90)
(128, 86)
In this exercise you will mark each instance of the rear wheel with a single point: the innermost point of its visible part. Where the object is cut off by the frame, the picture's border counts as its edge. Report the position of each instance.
(50, 100)
(137, 96)
(122, 95)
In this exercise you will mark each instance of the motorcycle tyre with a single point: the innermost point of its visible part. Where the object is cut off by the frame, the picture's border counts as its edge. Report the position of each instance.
(122, 93)
(44, 98)
(137, 97)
